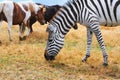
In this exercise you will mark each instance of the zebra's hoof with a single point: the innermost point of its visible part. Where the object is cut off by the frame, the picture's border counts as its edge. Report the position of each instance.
(105, 64)
(84, 60)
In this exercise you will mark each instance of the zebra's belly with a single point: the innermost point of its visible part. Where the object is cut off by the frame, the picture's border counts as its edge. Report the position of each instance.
(109, 23)
(108, 11)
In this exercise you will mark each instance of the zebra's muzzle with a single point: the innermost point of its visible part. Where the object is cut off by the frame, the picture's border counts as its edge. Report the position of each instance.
(48, 57)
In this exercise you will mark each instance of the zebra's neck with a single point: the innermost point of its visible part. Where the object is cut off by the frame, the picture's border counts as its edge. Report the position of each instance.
(65, 18)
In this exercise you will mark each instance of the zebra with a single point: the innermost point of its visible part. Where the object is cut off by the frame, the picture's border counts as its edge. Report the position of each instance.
(90, 13)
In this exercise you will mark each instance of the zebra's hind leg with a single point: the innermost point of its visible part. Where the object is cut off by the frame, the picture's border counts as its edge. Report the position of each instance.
(89, 41)
(98, 35)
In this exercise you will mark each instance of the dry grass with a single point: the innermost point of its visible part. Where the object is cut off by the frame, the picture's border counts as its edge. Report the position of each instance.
(25, 61)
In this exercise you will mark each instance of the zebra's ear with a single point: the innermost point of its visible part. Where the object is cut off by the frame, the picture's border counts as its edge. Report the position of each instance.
(50, 28)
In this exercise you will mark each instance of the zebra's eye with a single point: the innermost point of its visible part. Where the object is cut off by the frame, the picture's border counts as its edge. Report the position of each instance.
(51, 36)
(50, 40)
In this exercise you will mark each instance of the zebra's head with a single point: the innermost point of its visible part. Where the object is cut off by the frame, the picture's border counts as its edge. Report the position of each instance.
(54, 44)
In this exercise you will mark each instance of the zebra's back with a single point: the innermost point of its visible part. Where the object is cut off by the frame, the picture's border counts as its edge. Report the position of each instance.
(107, 11)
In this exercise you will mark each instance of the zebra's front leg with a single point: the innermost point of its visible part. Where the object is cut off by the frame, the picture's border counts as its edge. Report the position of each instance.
(98, 35)
(89, 41)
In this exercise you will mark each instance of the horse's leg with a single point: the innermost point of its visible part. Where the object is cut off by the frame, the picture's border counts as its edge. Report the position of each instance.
(31, 30)
(32, 21)
(21, 32)
(28, 26)
(89, 41)
(9, 17)
(8, 12)
(10, 21)
(0, 23)
(9, 29)
(0, 29)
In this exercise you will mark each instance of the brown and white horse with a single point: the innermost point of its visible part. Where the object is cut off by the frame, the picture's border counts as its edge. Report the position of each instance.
(19, 14)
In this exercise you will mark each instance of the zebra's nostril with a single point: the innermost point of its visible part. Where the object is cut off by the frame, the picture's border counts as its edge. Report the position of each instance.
(47, 57)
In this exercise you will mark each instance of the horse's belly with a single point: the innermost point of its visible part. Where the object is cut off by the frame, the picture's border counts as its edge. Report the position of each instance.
(17, 21)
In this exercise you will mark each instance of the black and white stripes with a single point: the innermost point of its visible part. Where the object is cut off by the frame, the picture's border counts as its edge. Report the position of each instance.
(90, 13)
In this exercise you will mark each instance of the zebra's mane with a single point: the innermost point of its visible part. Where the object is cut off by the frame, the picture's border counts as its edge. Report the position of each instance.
(69, 2)
(54, 16)
(57, 14)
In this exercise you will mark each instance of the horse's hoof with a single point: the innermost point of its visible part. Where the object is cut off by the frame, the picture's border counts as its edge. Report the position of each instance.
(11, 40)
(105, 64)
(0, 43)
(22, 38)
